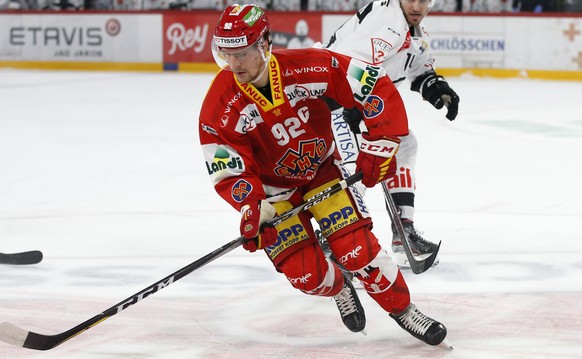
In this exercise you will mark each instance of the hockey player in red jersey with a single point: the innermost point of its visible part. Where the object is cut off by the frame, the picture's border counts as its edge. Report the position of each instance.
(390, 34)
(267, 141)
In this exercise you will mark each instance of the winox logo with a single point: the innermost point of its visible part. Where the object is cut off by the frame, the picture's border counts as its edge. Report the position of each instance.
(306, 70)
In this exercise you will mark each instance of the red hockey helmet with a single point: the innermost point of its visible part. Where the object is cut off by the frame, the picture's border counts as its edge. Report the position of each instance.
(239, 27)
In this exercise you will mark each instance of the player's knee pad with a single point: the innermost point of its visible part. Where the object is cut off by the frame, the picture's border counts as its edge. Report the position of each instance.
(311, 272)
(337, 214)
(293, 234)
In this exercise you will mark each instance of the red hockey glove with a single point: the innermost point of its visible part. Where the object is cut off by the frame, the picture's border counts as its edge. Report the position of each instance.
(254, 214)
(376, 159)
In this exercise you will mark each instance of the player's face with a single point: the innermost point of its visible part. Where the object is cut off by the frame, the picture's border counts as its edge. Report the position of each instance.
(246, 64)
(414, 10)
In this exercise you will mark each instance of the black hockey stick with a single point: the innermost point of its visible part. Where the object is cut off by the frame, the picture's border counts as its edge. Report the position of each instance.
(30, 257)
(417, 265)
(11, 334)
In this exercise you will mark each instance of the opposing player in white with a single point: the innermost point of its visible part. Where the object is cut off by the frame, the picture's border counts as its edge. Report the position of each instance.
(391, 34)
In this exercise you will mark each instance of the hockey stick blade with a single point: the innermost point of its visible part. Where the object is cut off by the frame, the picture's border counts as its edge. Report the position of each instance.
(14, 335)
(417, 264)
(30, 257)
(11, 334)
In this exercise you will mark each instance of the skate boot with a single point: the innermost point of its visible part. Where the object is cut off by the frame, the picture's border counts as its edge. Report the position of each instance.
(418, 244)
(420, 326)
(350, 308)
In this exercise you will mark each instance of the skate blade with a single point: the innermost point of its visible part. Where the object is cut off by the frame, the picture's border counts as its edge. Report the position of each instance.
(402, 261)
(446, 344)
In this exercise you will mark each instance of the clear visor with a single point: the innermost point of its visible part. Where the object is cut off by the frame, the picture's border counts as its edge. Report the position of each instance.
(223, 56)
(427, 3)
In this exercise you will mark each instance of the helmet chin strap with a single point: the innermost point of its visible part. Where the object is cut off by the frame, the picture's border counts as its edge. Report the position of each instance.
(266, 62)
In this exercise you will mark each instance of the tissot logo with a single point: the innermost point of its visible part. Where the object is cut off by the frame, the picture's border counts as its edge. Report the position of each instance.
(230, 41)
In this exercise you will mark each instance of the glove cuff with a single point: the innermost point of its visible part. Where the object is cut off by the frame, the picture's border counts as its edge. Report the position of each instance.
(267, 211)
(382, 147)
(419, 82)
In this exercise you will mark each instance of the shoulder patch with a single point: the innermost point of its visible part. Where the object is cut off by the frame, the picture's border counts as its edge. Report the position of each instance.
(241, 190)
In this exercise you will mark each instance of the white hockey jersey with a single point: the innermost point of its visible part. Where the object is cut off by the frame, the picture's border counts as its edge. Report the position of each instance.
(379, 34)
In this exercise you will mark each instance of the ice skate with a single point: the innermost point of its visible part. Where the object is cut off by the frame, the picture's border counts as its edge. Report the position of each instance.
(350, 308)
(418, 244)
(420, 326)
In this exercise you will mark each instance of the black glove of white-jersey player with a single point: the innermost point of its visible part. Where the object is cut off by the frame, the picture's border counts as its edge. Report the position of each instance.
(435, 89)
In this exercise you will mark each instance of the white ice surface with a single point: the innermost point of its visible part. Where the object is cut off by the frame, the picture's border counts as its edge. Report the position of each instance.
(103, 173)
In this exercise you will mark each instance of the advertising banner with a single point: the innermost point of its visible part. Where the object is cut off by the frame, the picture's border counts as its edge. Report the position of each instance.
(81, 37)
(181, 40)
(468, 41)
(187, 37)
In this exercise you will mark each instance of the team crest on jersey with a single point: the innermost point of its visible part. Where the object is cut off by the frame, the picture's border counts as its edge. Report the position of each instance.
(373, 106)
(241, 190)
(303, 162)
(380, 49)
